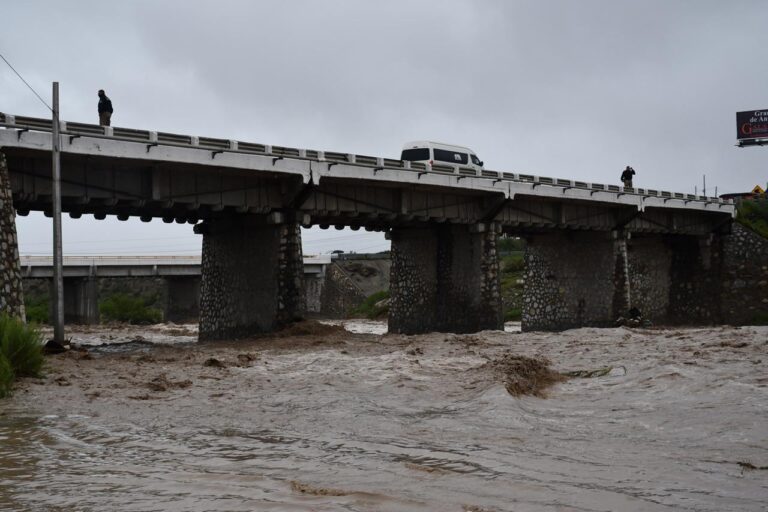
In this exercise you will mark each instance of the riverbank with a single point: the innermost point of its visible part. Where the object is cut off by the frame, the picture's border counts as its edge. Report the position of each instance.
(321, 418)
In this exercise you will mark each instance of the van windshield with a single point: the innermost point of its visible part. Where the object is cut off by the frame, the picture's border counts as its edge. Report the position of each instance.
(475, 160)
(415, 155)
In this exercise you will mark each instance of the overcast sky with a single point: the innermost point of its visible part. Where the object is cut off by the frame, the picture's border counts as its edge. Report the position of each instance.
(572, 89)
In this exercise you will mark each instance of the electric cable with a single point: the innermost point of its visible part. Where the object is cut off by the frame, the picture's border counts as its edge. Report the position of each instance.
(25, 82)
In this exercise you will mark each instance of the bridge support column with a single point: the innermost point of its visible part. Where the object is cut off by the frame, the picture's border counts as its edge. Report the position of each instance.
(11, 291)
(252, 276)
(695, 281)
(183, 300)
(575, 279)
(81, 301)
(445, 278)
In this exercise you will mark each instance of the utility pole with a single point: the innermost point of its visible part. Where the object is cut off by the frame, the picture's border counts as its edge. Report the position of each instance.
(58, 280)
(704, 191)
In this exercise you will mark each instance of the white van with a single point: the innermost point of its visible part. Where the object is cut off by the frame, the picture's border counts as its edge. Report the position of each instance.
(430, 153)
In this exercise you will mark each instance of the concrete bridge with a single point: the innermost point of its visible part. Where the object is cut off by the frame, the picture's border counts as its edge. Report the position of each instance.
(181, 275)
(594, 249)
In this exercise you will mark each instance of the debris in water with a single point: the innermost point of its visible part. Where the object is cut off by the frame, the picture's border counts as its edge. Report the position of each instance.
(62, 381)
(316, 491)
(425, 469)
(610, 371)
(309, 328)
(214, 363)
(161, 383)
(245, 360)
(734, 344)
(525, 375)
(748, 466)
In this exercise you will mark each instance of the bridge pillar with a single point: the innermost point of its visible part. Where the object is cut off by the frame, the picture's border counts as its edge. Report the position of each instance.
(183, 300)
(574, 279)
(252, 276)
(11, 290)
(81, 300)
(445, 278)
(676, 279)
(695, 281)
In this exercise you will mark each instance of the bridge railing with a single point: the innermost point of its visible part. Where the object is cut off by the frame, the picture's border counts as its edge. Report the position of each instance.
(74, 130)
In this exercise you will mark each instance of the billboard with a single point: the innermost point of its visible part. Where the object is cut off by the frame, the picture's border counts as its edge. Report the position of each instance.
(752, 124)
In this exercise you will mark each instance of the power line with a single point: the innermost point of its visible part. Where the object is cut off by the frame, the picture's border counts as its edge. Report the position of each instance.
(25, 82)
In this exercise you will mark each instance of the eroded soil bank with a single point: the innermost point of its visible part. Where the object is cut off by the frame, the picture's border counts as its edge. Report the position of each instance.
(319, 418)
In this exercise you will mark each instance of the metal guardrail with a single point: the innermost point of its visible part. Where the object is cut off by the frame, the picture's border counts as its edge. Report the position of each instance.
(73, 129)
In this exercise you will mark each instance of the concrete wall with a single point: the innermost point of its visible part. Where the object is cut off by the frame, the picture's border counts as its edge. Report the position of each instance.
(444, 278)
(11, 289)
(340, 295)
(350, 280)
(81, 304)
(183, 299)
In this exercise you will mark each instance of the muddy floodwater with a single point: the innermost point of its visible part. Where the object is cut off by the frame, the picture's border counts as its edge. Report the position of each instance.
(323, 418)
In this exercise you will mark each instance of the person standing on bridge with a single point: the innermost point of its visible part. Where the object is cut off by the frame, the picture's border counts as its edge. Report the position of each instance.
(626, 177)
(105, 109)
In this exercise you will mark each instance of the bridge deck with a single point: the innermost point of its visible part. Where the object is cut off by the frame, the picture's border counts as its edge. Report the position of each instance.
(315, 165)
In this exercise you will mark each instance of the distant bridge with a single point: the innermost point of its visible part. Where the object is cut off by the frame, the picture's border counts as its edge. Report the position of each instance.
(41, 267)
(443, 222)
(181, 276)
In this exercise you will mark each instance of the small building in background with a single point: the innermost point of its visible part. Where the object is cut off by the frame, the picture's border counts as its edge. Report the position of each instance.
(757, 193)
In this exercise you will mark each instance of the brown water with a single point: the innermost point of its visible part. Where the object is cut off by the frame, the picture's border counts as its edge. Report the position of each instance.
(365, 422)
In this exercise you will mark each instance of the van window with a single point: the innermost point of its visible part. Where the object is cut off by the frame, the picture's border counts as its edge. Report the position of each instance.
(475, 160)
(451, 156)
(414, 155)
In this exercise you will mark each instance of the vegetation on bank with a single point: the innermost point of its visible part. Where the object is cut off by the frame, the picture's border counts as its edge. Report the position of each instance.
(512, 263)
(21, 352)
(754, 215)
(374, 306)
(37, 310)
(122, 307)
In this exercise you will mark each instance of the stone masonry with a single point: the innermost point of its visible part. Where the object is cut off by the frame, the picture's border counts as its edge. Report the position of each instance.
(444, 278)
(582, 279)
(571, 280)
(252, 273)
(745, 277)
(11, 289)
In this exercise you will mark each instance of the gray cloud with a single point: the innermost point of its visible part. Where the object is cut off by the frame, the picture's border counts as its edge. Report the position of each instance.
(572, 89)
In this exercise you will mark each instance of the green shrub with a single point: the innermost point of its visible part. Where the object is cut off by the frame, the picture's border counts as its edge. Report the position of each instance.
(506, 245)
(760, 319)
(21, 352)
(754, 215)
(126, 308)
(369, 307)
(37, 311)
(514, 262)
(22, 346)
(513, 315)
(6, 376)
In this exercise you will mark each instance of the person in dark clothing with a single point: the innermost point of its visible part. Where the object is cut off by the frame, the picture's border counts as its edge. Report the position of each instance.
(105, 109)
(626, 177)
